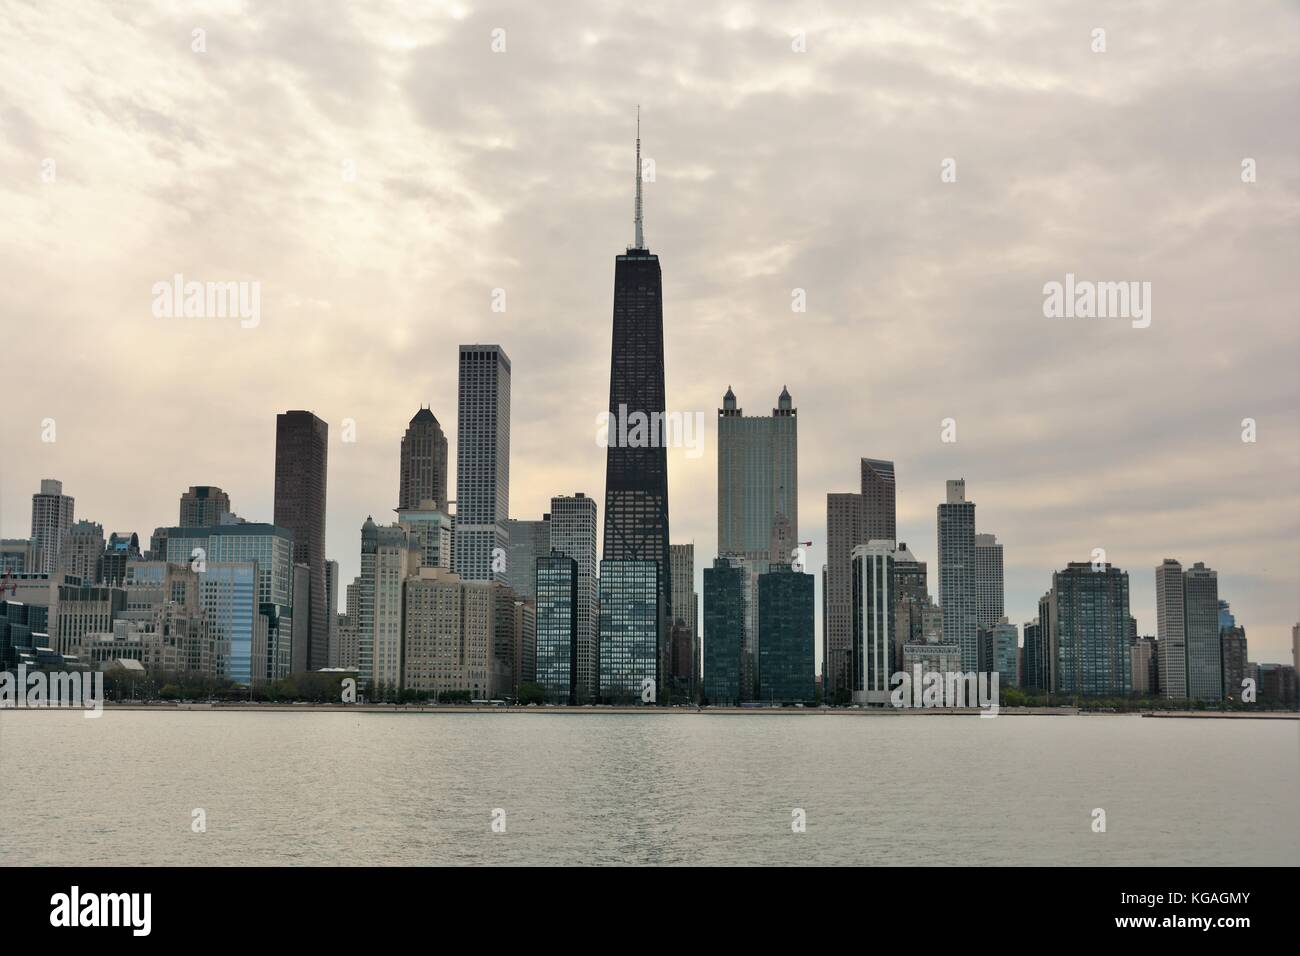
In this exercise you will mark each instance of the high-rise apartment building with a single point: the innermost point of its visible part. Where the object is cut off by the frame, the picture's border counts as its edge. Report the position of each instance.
(481, 541)
(957, 574)
(529, 540)
(1088, 612)
(988, 581)
(787, 639)
(630, 628)
(52, 514)
(388, 557)
(557, 627)
(1201, 622)
(686, 604)
(873, 621)
(82, 551)
(1171, 630)
(724, 630)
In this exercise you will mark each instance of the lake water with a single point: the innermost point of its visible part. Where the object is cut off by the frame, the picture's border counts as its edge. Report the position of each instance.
(673, 788)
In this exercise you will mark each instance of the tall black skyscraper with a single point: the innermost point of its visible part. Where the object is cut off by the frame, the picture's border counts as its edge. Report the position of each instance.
(301, 448)
(636, 465)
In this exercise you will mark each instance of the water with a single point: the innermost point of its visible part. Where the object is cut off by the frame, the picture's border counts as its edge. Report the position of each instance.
(672, 788)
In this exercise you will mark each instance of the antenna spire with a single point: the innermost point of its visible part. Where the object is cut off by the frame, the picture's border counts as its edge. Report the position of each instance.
(640, 239)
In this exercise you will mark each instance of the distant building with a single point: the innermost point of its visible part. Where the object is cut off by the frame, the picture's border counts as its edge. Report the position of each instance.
(482, 464)
(430, 531)
(724, 629)
(301, 455)
(1142, 654)
(1277, 686)
(123, 548)
(423, 464)
(1088, 631)
(16, 556)
(686, 604)
(1204, 649)
(957, 575)
(758, 475)
(1000, 651)
(82, 551)
(1034, 669)
(629, 630)
(529, 540)
(787, 638)
(1232, 640)
(389, 556)
(557, 627)
(203, 506)
(1171, 630)
(873, 624)
(988, 581)
(450, 636)
(573, 532)
(52, 516)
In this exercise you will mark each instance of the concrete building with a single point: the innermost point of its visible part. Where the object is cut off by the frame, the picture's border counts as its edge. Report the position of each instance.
(83, 610)
(430, 531)
(957, 573)
(16, 556)
(1234, 655)
(423, 464)
(1204, 652)
(482, 464)
(389, 557)
(52, 516)
(1142, 654)
(123, 548)
(988, 581)
(82, 551)
(873, 622)
(450, 636)
(851, 520)
(1171, 630)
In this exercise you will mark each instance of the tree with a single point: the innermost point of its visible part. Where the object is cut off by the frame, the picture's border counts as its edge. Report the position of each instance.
(531, 693)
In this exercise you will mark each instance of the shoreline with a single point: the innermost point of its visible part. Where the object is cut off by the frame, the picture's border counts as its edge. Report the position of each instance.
(886, 712)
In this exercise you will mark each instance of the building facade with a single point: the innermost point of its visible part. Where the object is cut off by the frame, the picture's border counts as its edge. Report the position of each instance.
(481, 541)
(301, 458)
(422, 463)
(957, 573)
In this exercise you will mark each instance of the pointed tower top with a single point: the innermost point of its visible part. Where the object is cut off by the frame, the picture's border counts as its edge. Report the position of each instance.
(640, 239)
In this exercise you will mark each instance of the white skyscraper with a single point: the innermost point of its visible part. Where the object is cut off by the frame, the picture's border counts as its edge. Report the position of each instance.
(956, 521)
(988, 581)
(1171, 630)
(51, 518)
(482, 464)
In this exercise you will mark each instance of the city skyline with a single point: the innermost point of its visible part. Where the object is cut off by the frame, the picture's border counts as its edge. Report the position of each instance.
(1157, 468)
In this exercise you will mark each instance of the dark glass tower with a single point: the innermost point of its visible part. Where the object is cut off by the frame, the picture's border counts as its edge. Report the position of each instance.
(301, 451)
(636, 465)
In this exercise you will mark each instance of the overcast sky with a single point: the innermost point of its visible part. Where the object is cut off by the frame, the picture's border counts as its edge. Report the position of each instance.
(127, 156)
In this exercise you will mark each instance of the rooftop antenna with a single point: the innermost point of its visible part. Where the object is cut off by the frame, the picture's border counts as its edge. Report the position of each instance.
(640, 239)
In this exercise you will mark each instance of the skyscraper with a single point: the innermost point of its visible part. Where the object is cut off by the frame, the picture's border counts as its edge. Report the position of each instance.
(301, 454)
(389, 556)
(1234, 654)
(758, 476)
(724, 629)
(630, 628)
(482, 464)
(685, 608)
(851, 519)
(873, 621)
(557, 627)
(988, 581)
(1089, 611)
(52, 513)
(203, 506)
(529, 540)
(82, 551)
(787, 642)
(636, 463)
(423, 463)
(1171, 630)
(1201, 623)
(956, 523)
(573, 533)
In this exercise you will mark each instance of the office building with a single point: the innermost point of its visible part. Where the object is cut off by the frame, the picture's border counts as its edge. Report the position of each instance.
(481, 541)
(203, 506)
(630, 628)
(787, 638)
(52, 516)
(557, 627)
(724, 631)
(423, 463)
(301, 454)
